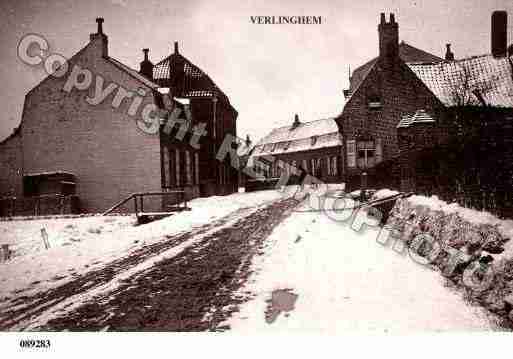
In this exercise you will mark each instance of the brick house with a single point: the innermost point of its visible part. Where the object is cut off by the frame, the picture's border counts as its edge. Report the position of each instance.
(209, 105)
(463, 149)
(381, 91)
(103, 151)
(312, 147)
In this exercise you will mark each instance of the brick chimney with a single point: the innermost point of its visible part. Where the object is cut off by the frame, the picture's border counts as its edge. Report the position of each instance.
(388, 40)
(100, 39)
(146, 66)
(449, 55)
(499, 33)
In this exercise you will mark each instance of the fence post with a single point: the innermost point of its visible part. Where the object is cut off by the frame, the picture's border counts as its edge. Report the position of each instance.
(45, 238)
(6, 253)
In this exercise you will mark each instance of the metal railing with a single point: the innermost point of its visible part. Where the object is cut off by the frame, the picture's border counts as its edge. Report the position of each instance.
(138, 199)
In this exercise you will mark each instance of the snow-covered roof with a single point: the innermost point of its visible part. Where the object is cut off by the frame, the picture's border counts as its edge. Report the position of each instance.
(48, 173)
(475, 81)
(303, 137)
(407, 53)
(421, 116)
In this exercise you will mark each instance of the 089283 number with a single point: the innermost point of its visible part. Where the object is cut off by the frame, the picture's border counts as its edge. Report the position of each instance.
(34, 343)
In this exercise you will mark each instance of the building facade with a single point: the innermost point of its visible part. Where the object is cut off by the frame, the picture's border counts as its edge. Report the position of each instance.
(381, 92)
(107, 138)
(313, 148)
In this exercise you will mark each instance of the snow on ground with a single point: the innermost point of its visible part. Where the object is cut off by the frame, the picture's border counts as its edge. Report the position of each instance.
(50, 268)
(346, 281)
(24, 236)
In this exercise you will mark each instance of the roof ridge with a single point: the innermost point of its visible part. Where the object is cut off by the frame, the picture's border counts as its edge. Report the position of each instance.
(304, 123)
(130, 71)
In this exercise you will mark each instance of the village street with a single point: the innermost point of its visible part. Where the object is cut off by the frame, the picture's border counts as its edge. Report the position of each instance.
(262, 262)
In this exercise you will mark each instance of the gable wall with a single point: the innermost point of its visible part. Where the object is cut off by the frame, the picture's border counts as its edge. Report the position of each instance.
(102, 146)
(400, 93)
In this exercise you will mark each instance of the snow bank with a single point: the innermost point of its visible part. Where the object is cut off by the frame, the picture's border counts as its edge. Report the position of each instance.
(383, 193)
(472, 216)
(483, 241)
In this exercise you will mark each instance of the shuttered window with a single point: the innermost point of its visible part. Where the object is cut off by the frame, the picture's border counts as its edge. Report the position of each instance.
(166, 180)
(351, 153)
(188, 174)
(177, 167)
(379, 151)
(196, 167)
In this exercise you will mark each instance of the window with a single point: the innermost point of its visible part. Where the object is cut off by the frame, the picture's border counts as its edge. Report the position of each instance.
(366, 154)
(328, 160)
(334, 166)
(313, 140)
(374, 102)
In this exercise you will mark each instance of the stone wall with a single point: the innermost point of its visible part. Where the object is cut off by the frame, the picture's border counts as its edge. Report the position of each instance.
(479, 239)
(39, 206)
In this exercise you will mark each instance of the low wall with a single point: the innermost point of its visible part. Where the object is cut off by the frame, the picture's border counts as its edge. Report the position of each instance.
(39, 206)
(480, 239)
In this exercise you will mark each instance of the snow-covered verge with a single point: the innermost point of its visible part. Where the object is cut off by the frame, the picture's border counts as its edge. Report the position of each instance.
(45, 269)
(25, 237)
(479, 237)
(317, 274)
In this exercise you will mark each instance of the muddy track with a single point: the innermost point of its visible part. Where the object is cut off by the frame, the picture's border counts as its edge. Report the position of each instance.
(173, 295)
(177, 293)
(24, 307)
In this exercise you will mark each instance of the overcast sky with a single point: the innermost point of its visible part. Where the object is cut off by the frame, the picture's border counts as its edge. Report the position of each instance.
(269, 72)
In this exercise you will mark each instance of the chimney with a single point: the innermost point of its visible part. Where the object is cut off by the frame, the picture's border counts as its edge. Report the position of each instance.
(100, 39)
(176, 47)
(146, 66)
(449, 55)
(248, 141)
(296, 121)
(499, 33)
(388, 40)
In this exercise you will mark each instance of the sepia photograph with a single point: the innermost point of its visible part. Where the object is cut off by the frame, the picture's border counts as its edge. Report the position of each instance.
(254, 175)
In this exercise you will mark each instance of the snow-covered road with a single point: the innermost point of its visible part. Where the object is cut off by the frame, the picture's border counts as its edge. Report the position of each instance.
(341, 280)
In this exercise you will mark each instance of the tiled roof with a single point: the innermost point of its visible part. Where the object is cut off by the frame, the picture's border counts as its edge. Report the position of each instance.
(306, 136)
(421, 116)
(475, 81)
(197, 82)
(407, 53)
(133, 73)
